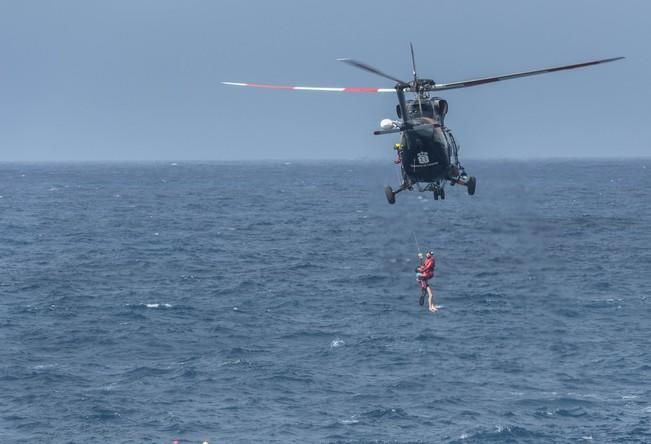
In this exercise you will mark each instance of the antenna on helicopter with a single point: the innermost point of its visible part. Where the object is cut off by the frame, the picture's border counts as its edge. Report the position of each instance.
(416, 85)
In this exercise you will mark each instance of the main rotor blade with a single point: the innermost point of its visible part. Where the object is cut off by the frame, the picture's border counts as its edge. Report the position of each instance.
(314, 88)
(468, 83)
(369, 68)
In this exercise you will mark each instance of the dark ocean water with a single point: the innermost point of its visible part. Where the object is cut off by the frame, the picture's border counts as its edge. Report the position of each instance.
(245, 302)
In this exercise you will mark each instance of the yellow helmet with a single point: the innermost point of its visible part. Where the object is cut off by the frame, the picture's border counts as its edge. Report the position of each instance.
(396, 146)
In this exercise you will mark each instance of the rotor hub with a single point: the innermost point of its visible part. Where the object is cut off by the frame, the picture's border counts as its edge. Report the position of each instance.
(421, 86)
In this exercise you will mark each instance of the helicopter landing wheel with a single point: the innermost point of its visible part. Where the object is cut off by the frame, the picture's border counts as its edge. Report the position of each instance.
(471, 184)
(442, 193)
(391, 196)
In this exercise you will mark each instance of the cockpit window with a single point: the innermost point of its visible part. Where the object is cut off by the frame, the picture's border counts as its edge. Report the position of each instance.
(428, 111)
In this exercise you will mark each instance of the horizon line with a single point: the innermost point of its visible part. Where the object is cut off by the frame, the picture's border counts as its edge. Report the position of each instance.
(326, 160)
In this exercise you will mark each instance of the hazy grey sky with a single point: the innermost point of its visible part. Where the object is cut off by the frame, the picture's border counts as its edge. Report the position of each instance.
(139, 80)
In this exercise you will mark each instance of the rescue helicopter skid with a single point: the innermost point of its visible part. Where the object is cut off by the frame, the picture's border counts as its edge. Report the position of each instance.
(427, 152)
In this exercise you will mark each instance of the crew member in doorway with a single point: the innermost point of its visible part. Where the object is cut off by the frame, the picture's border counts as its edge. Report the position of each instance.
(398, 149)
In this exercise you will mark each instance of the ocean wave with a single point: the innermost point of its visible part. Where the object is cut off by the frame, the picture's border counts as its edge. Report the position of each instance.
(296, 318)
(503, 434)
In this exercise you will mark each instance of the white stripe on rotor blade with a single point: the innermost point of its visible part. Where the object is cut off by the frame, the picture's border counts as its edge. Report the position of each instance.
(317, 88)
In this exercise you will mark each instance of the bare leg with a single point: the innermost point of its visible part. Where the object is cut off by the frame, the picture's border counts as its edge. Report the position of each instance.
(430, 300)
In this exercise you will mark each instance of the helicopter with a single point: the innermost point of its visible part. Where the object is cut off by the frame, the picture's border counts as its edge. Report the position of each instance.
(427, 152)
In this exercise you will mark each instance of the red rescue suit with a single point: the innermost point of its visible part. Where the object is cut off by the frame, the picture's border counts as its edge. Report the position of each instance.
(427, 269)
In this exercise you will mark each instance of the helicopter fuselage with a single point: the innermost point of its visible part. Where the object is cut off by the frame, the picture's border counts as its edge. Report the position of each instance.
(428, 150)
(425, 154)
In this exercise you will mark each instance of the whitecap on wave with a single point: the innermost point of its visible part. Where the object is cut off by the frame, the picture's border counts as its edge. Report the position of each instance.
(158, 305)
(352, 420)
(230, 362)
(337, 343)
(44, 366)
